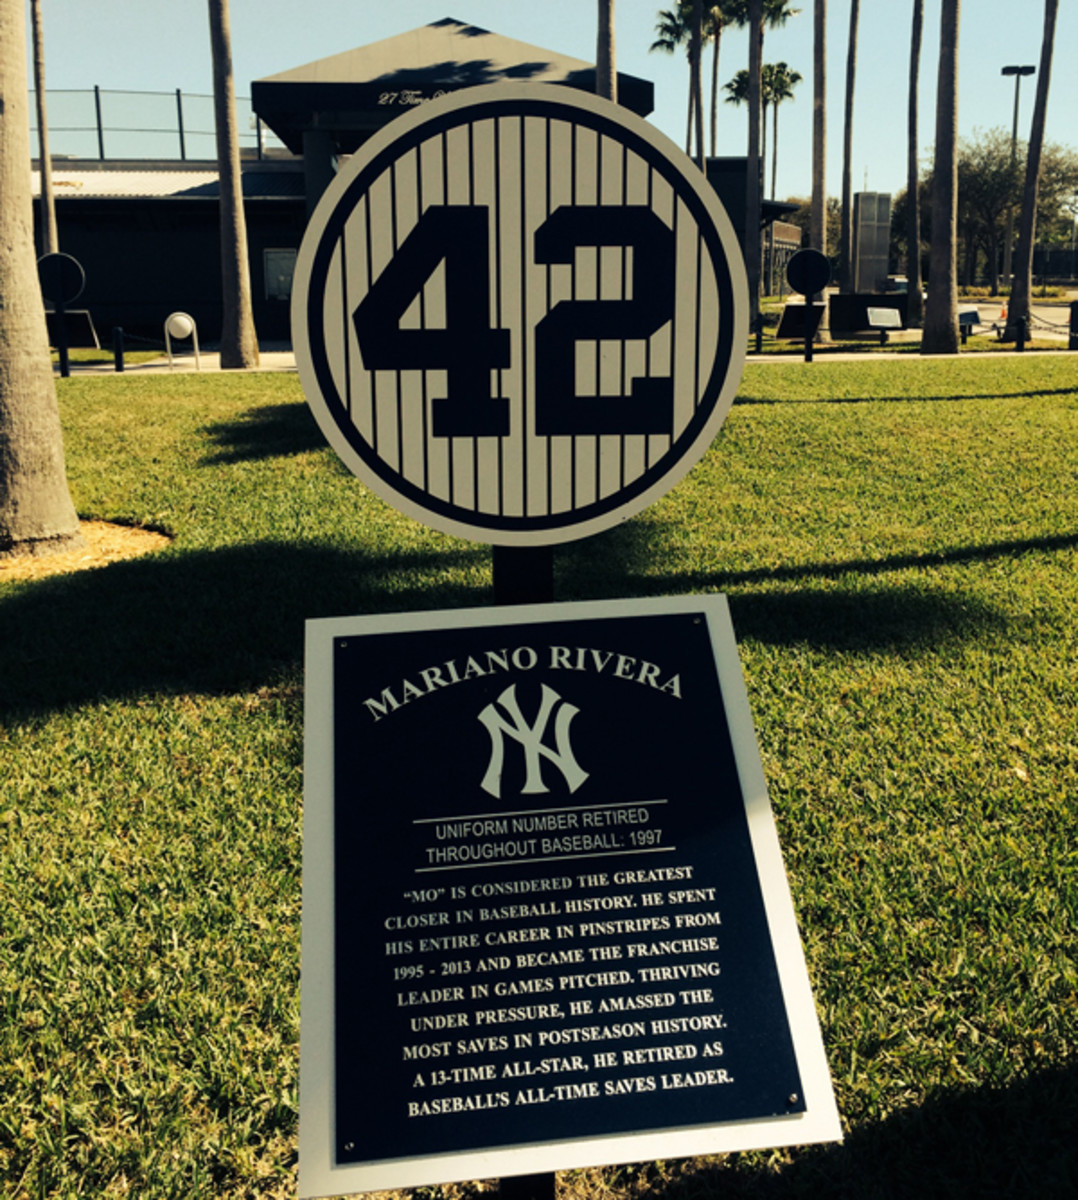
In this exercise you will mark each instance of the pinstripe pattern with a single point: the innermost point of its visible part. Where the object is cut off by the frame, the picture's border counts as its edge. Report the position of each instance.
(521, 167)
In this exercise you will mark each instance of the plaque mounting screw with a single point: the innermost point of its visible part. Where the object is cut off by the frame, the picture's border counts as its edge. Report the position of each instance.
(792, 1098)
(349, 1146)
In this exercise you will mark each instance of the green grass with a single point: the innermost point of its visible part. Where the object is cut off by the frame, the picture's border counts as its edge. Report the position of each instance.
(899, 541)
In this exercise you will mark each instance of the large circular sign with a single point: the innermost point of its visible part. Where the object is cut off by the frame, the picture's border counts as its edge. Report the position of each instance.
(62, 278)
(520, 314)
(808, 272)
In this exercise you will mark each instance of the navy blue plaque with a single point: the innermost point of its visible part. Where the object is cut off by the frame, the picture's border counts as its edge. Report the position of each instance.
(550, 902)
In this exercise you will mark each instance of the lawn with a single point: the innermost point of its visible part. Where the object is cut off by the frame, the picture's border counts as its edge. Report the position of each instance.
(899, 542)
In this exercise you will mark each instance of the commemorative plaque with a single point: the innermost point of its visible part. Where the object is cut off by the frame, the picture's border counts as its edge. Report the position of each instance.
(546, 922)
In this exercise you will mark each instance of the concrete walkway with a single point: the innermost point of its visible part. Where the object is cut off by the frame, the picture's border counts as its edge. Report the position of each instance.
(280, 359)
(209, 361)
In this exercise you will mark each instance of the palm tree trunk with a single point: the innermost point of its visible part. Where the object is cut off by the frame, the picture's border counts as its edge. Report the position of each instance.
(846, 235)
(50, 242)
(695, 48)
(606, 81)
(239, 345)
(818, 220)
(36, 513)
(752, 175)
(914, 302)
(774, 145)
(1022, 284)
(715, 91)
(941, 309)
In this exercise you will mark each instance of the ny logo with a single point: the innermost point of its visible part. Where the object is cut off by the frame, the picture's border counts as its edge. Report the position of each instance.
(530, 738)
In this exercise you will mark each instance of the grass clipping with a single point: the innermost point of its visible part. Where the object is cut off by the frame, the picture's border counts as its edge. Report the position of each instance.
(105, 543)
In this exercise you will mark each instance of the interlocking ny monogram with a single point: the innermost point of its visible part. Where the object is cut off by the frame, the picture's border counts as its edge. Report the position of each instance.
(530, 739)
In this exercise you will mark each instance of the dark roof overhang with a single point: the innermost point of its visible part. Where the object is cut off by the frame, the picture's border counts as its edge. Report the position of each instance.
(352, 95)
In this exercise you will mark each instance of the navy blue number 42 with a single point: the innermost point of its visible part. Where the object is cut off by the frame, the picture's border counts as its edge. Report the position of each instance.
(468, 349)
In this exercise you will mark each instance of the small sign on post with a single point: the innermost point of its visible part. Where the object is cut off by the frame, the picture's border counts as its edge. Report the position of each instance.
(808, 272)
(62, 282)
(545, 919)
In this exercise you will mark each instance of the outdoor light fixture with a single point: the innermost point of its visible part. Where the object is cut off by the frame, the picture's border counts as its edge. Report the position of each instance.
(1017, 72)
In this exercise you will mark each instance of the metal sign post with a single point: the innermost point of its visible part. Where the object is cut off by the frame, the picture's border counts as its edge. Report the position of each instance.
(809, 272)
(62, 282)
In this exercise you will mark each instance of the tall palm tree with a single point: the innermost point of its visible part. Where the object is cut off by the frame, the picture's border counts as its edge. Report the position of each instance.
(50, 242)
(36, 513)
(737, 92)
(239, 345)
(753, 195)
(719, 16)
(779, 83)
(914, 301)
(845, 248)
(606, 79)
(941, 309)
(818, 220)
(696, 41)
(671, 33)
(1022, 283)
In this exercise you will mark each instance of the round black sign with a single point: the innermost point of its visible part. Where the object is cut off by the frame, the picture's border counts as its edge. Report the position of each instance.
(808, 272)
(62, 278)
(519, 314)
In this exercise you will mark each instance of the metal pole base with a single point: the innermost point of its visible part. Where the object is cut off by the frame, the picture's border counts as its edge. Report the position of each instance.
(528, 1187)
(523, 574)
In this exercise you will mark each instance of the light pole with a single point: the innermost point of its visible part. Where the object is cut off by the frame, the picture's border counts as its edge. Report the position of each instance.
(1008, 243)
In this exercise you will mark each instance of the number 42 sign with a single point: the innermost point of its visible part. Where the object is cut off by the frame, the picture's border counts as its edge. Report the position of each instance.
(520, 314)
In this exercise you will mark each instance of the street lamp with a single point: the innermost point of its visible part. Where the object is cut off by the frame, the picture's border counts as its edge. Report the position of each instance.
(1017, 72)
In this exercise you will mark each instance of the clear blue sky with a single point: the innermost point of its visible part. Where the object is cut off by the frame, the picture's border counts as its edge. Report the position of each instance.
(147, 44)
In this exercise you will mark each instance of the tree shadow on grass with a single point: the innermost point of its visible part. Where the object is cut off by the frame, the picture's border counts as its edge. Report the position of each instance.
(747, 398)
(268, 431)
(859, 618)
(896, 619)
(1015, 1142)
(213, 622)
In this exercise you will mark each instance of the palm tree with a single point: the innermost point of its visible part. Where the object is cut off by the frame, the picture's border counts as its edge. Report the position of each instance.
(779, 83)
(719, 16)
(818, 235)
(737, 92)
(50, 243)
(914, 302)
(606, 80)
(941, 309)
(845, 266)
(36, 513)
(696, 39)
(672, 32)
(1022, 283)
(239, 345)
(753, 195)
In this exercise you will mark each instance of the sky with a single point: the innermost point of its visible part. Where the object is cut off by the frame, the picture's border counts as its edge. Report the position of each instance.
(148, 45)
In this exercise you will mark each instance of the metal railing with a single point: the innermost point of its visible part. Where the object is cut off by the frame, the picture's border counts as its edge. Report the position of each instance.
(107, 124)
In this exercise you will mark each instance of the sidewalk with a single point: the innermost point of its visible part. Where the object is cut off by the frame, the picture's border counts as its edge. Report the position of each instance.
(208, 362)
